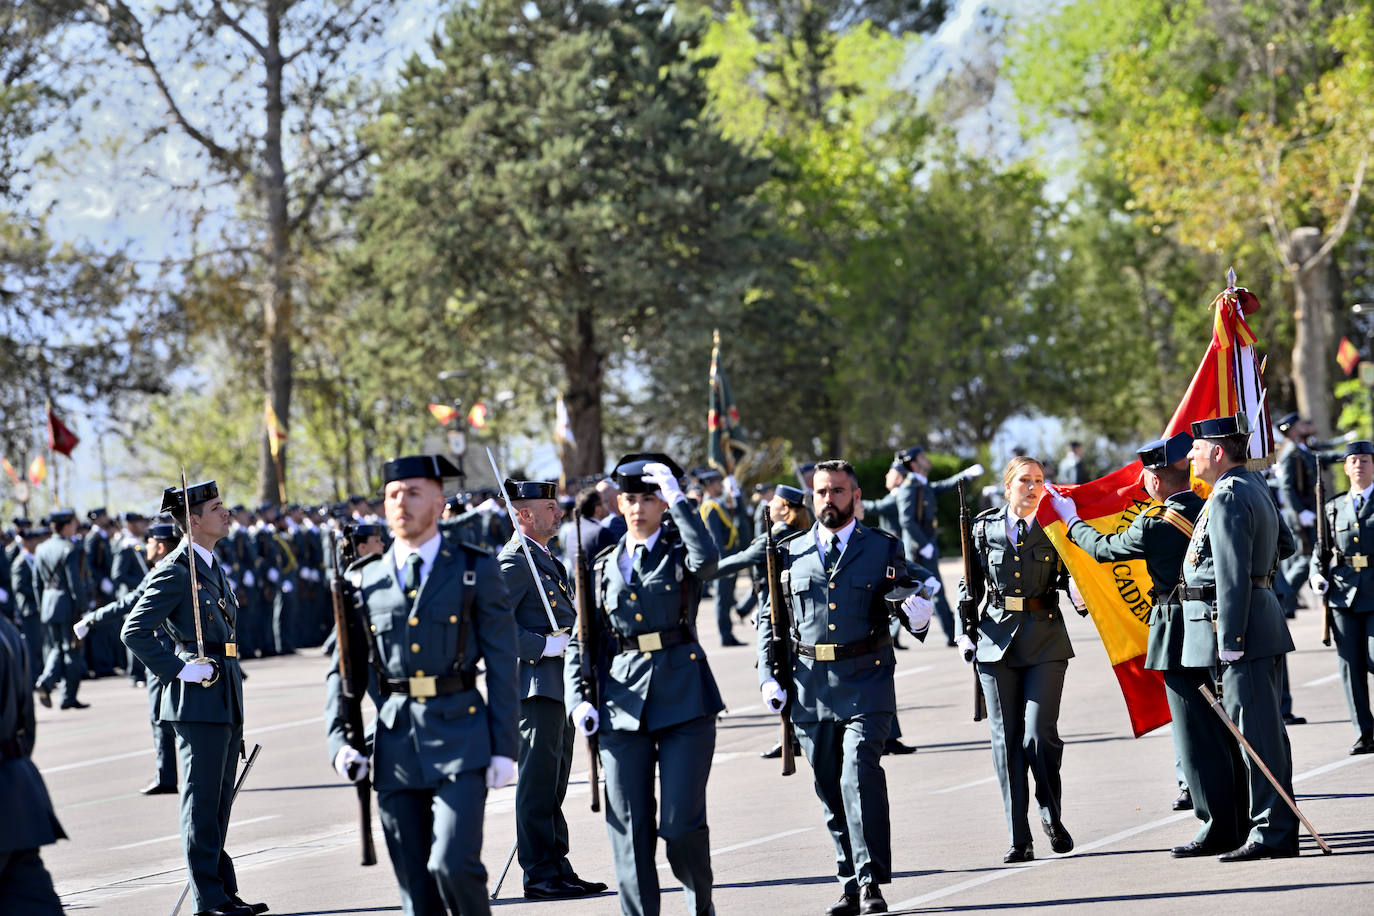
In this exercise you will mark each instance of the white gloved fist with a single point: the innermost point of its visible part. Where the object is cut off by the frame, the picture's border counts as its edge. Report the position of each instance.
(586, 718)
(918, 611)
(774, 697)
(287, 588)
(82, 627)
(1063, 506)
(491, 505)
(555, 643)
(273, 575)
(1318, 583)
(1076, 596)
(658, 474)
(500, 771)
(928, 551)
(1307, 518)
(107, 586)
(248, 578)
(1231, 655)
(966, 647)
(350, 764)
(972, 471)
(732, 485)
(193, 673)
(933, 586)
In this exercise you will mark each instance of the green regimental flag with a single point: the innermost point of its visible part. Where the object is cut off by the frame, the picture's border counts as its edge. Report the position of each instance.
(723, 449)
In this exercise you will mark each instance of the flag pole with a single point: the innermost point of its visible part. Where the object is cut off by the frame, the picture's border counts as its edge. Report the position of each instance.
(52, 456)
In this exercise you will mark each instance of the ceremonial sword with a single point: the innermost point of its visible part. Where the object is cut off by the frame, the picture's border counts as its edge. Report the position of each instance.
(525, 549)
(200, 658)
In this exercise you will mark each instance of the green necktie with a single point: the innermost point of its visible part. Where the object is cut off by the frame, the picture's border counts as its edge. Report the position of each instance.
(832, 555)
(412, 579)
(1020, 532)
(1359, 502)
(637, 565)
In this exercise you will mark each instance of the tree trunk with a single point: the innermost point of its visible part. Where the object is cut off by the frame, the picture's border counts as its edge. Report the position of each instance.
(1313, 305)
(585, 371)
(277, 374)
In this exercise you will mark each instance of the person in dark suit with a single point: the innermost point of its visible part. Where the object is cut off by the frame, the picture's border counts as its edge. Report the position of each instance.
(60, 581)
(436, 608)
(23, 575)
(1233, 619)
(660, 700)
(1022, 655)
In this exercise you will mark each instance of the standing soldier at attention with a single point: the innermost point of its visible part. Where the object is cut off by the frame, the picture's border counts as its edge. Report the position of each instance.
(60, 583)
(1349, 587)
(1023, 652)
(1233, 619)
(723, 524)
(546, 735)
(435, 609)
(660, 700)
(203, 701)
(837, 576)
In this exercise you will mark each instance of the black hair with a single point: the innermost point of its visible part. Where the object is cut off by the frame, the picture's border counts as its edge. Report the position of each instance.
(838, 466)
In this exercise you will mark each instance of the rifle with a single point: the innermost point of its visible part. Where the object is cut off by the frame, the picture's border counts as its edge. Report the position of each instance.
(589, 638)
(1322, 555)
(353, 676)
(780, 643)
(973, 588)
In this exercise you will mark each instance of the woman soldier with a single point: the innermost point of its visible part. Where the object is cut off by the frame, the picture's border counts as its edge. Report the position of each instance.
(1022, 651)
(659, 700)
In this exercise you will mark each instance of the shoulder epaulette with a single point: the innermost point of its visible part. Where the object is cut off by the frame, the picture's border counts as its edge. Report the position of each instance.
(475, 549)
(604, 554)
(1154, 510)
(1178, 520)
(885, 533)
(989, 513)
(793, 536)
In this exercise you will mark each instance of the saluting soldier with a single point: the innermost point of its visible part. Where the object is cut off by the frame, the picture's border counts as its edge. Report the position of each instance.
(837, 576)
(435, 608)
(546, 735)
(1232, 617)
(1348, 585)
(660, 699)
(1206, 752)
(1023, 653)
(202, 700)
(60, 582)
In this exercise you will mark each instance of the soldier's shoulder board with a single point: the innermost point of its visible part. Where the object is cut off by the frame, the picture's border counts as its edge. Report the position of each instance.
(1178, 520)
(793, 536)
(605, 554)
(989, 514)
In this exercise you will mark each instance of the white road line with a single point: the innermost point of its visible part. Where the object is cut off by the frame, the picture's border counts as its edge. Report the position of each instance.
(965, 785)
(61, 768)
(1088, 847)
(177, 836)
(906, 672)
(1323, 680)
(747, 843)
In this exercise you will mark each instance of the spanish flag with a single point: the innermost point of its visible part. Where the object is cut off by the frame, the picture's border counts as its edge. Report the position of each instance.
(1228, 381)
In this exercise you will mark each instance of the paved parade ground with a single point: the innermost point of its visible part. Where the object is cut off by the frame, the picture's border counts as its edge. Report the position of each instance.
(294, 833)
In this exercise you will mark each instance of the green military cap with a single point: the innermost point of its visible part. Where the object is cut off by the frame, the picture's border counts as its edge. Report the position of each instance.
(1221, 427)
(173, 497)
(531, 489)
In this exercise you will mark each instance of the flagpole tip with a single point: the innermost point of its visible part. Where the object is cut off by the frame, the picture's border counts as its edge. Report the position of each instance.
(1231, 278)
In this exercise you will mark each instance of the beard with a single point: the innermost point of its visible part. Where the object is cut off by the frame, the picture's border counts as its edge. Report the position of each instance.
(834, 518)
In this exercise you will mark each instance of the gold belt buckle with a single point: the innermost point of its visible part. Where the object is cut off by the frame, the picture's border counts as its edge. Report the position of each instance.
(1359, 561)
(649, 642)
(421, 687)
(825, 652)
(1014, 604)
(231, 650)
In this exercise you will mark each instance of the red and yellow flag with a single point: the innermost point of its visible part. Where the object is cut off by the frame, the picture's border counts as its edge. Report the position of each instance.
(9, 470)
(38, 471)
(443, 413)
(275, 434)
(1347, 355)
(477, 416)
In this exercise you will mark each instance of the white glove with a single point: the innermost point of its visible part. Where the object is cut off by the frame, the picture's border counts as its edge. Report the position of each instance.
(1307, 518)
(4, 596)
(1230, 655)
(192, 673)
(107, 586)
(972, 471)
(491, 505)
(273, 575)
(350, 764)
(966, 647)
(658, 474)
(918, 611)
(248, 578)
(933, 585)
(1076, 596)
(1318, 583)
(732, 485)
(774, 697)
(555, 643)
(586, 718)
(928, 551)
(82, 627)
(287, 588)
(500, 771)
(1063, 506)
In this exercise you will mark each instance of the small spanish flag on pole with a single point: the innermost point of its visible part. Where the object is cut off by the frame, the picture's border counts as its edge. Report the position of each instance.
(275, 437)
(1348, 355)
(723, 450)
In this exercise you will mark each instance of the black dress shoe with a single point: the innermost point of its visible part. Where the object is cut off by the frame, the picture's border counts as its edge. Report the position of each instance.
(1193, 850)
(258, 908)
(554, 889)
(228, 908)
(1252, 852)
(1022, 852)
(1184, 802)
(157, 788)
(76, 704)
(591, 887)
(1364, 746)
(775, 752)
(730, 641)
(44, 696)
(871, 899)
(847, 905)
(1290, 719)
(1060, 840)
(893, 746)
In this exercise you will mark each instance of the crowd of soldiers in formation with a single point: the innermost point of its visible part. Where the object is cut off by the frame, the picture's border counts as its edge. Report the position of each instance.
(659, 549)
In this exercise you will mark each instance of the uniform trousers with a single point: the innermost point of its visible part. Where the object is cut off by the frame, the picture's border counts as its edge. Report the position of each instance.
(164, 738)
(1210, 760)
(1023, 712)
(1250, 696)
(25, 885)
(32, 628)
(1354, 635)
(546, 753)
(434, 836)
(209, 762)
(65, 661)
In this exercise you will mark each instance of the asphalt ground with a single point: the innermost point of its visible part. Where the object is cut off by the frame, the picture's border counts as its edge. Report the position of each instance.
(294, 836)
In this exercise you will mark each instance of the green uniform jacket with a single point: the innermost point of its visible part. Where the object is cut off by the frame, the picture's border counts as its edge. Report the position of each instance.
(652, 690)
(539, 676)
(30, 821)
(1352, 537)
(1161, 539)
(166, 603)
(909, 503)
(25, 596)
(59, 581)
(1238, 538)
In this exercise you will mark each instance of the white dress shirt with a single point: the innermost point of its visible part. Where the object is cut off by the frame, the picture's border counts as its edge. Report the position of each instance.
(427, 551)
(627, 556)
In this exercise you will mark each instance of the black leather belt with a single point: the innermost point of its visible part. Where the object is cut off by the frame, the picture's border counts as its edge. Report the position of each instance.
(223, 649)
(1011, 603)
(835, 652)
(1209, 592)
(658, 639)
(421, 687)
(10, 749)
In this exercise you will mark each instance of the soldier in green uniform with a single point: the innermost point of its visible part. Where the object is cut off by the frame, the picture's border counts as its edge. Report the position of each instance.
(30, 822)
(60, 582)
(722, 522)
(129, 567)
(23, 573)
(1231, 616)
(837, 576)
(435, 608)
(546, 735)
(1023, 652)
(660, 700)
(1206, 752)
(203, 701)
(1348, 585)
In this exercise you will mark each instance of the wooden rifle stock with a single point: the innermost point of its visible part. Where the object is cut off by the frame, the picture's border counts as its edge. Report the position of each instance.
(352, 686)
(589, 638)
(1323, 558)
(780, 645)
(973, 589)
